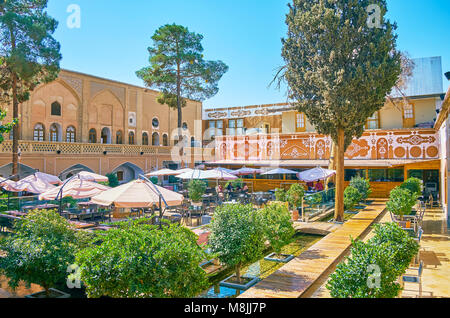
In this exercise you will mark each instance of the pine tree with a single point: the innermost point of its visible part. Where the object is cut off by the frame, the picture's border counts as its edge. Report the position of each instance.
(178, 69)
(30, 55)
(339, 69)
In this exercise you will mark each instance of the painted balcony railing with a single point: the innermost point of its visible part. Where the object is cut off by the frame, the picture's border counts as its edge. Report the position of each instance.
(373, 145)
(45, 147)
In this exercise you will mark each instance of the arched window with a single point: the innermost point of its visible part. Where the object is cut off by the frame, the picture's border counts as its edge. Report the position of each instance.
(192, 142)
(145, 139)
(155, 122)
(39, 134)
(70, 134)
(56, 109)
(92, 136)
(131, 138)
(54, 133)
(165, 140)
(105, 136)
(119, 137)
(185, 126)
(155, 139)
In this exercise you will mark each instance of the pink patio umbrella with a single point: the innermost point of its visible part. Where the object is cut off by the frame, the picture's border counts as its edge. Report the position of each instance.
(7, 185)
(246, 171)
(75, 188)
(138, 194)
(48, 178)
(32, 184)
(90, 176)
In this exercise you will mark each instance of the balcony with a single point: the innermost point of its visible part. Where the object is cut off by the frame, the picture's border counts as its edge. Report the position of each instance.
(401, 144)
(64, 148)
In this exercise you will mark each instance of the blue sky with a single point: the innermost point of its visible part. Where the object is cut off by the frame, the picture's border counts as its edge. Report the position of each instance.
(114, 35)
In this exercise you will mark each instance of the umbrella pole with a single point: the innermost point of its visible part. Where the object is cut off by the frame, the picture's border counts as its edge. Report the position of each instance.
(160, 213)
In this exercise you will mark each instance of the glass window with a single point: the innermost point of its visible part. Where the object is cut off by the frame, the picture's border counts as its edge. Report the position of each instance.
(131, 138)
(378, 175)
(53, 133)
(119, 176)
(56, 109)
(300, 121)
(165, 140)
(408, 111)
(373, 122)
(396, 175)
(119, 138)
(351, 173)
(92, 136)
(38, 133)
(155, 123)
(145, 139)
(155, 139)
(70, 134)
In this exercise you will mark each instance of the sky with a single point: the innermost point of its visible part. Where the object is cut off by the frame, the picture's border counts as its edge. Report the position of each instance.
(113, 37)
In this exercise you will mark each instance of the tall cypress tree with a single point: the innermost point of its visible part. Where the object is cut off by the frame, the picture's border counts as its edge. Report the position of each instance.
(30, 55)
(339, 69)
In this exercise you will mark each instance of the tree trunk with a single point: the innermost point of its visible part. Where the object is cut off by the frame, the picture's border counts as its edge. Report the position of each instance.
(340, 156)
(238, 273)
(332, 165)
(15, 146)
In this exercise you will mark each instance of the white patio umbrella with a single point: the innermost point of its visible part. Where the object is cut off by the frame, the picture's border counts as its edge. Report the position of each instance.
(225, 170)
(162, 172)
(7, 185)
(48, 178)
(137, 194)
(75, 188)
(315, 174)
(90, 176)
(279, 171)
(31, 184)
(181, 171)
(206, 175)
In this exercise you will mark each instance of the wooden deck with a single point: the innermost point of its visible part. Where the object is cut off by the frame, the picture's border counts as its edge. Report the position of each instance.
(316, 228)
(301, 276)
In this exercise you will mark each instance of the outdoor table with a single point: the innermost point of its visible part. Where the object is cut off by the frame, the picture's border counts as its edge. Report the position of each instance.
(16, 213)
(81, 225)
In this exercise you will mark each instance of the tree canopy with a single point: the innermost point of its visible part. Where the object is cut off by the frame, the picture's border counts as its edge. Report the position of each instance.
(178, 68)
(339, 69)
(139, 260)
(30, 54)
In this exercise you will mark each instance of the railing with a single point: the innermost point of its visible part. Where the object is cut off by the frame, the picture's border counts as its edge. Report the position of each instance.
(26, 147)
(317, 203)
(374, 144)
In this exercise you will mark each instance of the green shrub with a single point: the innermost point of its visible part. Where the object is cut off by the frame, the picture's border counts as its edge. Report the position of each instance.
(351, 197)
(414, 185)
(277, 224)
(139, 260)
(362, 185)
(295, 195)
(196, 189)
(354, 278)
(402, 246)
(314, 199)
(280, 195)
(113, 181)
(390, 250)
(237, 236)
(401, 201)
(43, 247)
(154, 180)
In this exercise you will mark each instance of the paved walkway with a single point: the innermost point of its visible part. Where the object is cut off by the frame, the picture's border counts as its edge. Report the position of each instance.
(307, 272)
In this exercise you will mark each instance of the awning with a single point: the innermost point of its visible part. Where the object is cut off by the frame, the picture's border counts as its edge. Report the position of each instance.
(385, 163)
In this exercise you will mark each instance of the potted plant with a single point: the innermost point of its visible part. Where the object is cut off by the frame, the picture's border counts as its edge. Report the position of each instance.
(351, 198)
(401, 201)
(237, 238)
(40, 252)
(280, 195)
(278, 230)
(196, 189)
(295, 197)
(362, 185)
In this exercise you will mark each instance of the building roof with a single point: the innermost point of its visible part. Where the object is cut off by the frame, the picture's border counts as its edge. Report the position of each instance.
(426, 79)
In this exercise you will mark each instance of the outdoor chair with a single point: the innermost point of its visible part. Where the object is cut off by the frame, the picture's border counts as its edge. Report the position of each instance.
(403, 223)
(414, 278)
